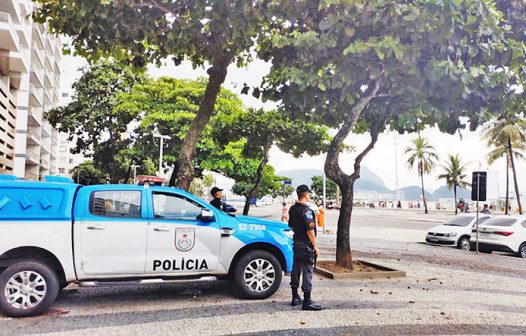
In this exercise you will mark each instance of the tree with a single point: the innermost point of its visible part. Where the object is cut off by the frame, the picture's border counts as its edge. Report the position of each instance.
(201, 186)
(86, 174)
(168, 106)
(100, 131)
(424, 62)
(506, 135)
(264, 129)
(454, 175)
(422, 156)
(317, 187)
(218, 33)
(270, 184)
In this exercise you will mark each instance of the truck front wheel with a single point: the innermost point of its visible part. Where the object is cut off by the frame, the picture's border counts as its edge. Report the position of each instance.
(257, 275)
(27, 288)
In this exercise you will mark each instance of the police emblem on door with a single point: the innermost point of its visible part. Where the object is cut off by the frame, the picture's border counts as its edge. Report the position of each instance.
(184, 239)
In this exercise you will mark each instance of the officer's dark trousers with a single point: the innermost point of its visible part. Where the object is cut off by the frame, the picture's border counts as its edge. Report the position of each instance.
(299, 267)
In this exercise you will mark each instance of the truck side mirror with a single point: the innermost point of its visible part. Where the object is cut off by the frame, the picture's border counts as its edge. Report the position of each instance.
(206, 215)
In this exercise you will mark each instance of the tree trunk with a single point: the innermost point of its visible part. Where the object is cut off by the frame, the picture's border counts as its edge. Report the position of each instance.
(128, 173)
(183, 172)
(334, 172)
(343, 241)
(421, 171)
(517, 195)
(507, 184)
(259, 179)
(455, 193)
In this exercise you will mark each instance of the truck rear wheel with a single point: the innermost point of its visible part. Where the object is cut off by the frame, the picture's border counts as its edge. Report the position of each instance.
(257, 275)
(27, 288)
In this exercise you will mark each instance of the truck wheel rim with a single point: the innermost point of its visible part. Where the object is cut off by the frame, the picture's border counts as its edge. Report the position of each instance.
(25, 290)
(465, 244)
(259, 275)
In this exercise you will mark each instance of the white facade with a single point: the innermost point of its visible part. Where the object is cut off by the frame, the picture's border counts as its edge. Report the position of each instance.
(30, 69)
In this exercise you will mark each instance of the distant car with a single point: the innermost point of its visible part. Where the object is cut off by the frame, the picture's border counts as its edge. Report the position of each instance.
(503, 233)
(456, 231)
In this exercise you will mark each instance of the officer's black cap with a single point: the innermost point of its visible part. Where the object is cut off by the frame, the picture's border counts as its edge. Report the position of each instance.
(214, 190)
(302, 188)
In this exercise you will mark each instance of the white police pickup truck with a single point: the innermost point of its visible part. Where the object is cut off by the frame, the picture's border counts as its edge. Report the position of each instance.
(55, 233)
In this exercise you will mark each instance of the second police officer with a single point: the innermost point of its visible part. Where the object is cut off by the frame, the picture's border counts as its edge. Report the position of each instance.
(303, 223)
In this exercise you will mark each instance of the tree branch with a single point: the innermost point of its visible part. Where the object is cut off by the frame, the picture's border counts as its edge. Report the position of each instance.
(332, 167)
(357, 162)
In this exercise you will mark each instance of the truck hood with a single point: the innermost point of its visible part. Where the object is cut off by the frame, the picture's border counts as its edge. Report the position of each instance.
(257, 220)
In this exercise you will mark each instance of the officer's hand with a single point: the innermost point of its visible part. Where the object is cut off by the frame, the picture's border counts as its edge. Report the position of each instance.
(317, 251)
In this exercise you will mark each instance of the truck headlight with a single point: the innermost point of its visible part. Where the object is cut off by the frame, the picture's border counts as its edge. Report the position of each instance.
(289, 233)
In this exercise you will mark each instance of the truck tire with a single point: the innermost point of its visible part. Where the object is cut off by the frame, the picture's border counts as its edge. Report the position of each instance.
(257, 275)
(27, 288)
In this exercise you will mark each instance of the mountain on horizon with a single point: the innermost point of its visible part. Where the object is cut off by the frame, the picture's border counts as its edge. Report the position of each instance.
(369, 181)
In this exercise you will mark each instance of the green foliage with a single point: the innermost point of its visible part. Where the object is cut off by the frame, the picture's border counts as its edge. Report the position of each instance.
(317, 188)
(201, 186)
(143, 32)
(100, 130)
(271, 184)
(168, 106)
(86, 174)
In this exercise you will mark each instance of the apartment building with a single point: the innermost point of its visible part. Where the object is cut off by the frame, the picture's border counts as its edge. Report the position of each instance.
(29, 87)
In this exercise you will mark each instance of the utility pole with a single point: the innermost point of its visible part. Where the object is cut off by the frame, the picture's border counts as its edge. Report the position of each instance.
(162, 137)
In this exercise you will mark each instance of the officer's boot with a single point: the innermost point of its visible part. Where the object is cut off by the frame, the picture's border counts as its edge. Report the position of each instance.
(296, 298)
(308, 304)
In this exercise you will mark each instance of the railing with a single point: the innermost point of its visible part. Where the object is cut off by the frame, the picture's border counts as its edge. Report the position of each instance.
(5, 17)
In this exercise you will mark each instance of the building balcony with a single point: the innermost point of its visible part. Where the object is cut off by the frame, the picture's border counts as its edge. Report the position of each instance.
(34, 116)
(44, 164)
(37, 77)
(8, 36)
(23, 35)
(48, 79)
(18, 62)
(33, 156)
(49, 62)
(48, 98)
(44, 148)
(37, 57)
(37, 38)
(33, 135)
(46, 129)
(11, 7)
(35, 96)
(50, 48)
(56, 98)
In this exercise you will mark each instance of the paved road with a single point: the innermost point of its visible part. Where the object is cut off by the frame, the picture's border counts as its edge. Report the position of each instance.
(446, 292)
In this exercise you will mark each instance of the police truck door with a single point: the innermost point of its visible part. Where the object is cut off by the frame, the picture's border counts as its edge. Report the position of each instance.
(179, 242)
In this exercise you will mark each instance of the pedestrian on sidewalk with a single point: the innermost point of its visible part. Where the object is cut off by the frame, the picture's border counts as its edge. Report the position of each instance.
(284, 213)
(303, 223)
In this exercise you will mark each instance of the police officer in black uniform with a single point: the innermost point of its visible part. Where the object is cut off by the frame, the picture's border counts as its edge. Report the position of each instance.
(218, 202)
(302, 222)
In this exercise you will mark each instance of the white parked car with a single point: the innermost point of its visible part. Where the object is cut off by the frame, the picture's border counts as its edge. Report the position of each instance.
(503, 233)
(456, 231)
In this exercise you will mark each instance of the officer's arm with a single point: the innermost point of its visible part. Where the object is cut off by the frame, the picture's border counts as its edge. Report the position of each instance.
(312, 239)
(310, 225)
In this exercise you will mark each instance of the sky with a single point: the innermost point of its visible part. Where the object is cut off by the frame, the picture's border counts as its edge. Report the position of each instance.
(381, 160)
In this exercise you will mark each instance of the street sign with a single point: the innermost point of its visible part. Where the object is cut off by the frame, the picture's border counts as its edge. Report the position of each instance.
(289, 182)
(478, 186)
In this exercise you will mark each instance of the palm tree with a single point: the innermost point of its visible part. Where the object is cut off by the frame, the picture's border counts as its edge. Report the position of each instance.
(507, 135)
(455, 173)
(498, 153)
(423, 156)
